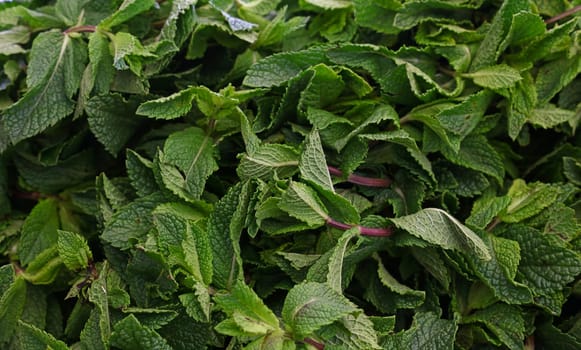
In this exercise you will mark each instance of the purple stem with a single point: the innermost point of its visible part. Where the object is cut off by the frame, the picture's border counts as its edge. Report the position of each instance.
(565, 14)
(365, 231)
(81, 29)
(314, 343)
(361, 180)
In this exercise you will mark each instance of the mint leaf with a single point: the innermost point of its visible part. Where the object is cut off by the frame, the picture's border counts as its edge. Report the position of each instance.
(312, 165)
(495, 77)
(428, 331)
(52, 84)
(504, 321)
(279, 68)
(130, 224)
(310, 306)
(302, 202)
(39, 230)
(268, 160)
(74, 250)
(528, 200)
(247, 310)
(440, 228)
(546, 267)
(112, 120)
(11, 307)
(127, 10)
(130, 334)
(31, 337)
(192, 152)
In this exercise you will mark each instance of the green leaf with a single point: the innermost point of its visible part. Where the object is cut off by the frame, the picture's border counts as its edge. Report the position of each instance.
(101, 63)
(73, 250)
(413, 297)
(11, 39)
(440, 228)
(33, 338)
(39, 231)
(112, 120)
(279, 68)
(545, 267)
(192, 152)
(500, 272)
(485, 209)
(428, 331)
(491, 47)
(378, 16)
(495, 77)
(171, 107)
(11, 307)
(476, 153)
(182, 241)
(45, 267)
(463, 118)
(130, 224)
(267, 160)
(247, 310)
(140, 172)
(550, 116)
(52, 82)
(351, 332)
(527, 200)
(504, 321)
(335, 274)
(129, 53)
(302, 202)
(553, 76)
(224, 228)
(130, 334)
(127, 10)
(313, 165)
(310, 306)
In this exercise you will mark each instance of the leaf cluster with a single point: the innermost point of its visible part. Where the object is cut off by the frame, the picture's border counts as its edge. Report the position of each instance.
(281, 174)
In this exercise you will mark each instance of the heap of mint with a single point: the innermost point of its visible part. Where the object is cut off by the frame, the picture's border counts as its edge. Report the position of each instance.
(283, 174)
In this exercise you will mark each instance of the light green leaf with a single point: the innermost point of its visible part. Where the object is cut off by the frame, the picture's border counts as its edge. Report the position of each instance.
(192, 152)
(267, 160)
(310, 306)
(527, 200)
(440, 228)
(376, 15)
(170, 107)
(335, 274)
(198, 303)
(52, 82)
(313, 165)
(127, 10)
(247, 309)
(129, 52)
(303, 203)
(39, 231)
(329, 4)
(495, 77)
(11, 39)
(112, 120)
(550, 116)
(129, 334)
(351, 332)
(504, 321)
(73, 250)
